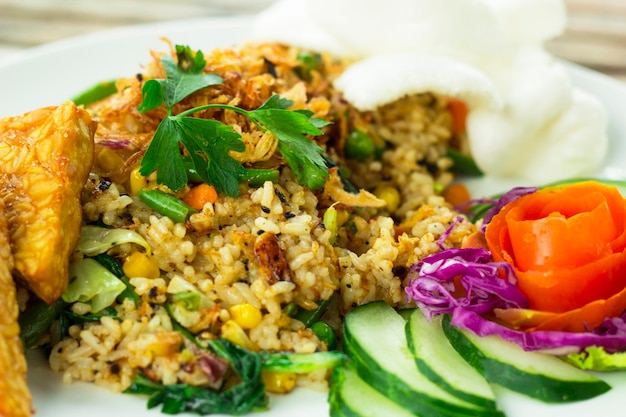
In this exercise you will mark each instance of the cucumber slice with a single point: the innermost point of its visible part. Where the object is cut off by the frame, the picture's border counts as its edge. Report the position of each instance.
(537, 375)
(440, 363)
(350, 396)
(375, 340)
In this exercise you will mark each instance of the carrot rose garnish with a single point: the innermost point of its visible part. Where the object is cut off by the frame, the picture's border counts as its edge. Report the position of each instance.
(567, 247)
(564, 249)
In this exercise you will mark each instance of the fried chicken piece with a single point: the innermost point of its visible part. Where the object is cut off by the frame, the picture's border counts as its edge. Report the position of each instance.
(45, 158)
(15, 398)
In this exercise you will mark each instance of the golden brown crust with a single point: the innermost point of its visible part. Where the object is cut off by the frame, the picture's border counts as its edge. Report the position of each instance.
(15, 398)
(45, 158)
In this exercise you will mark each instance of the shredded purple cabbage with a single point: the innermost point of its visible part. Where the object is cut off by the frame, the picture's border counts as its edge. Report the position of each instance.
(448, 232)
(612, 338)
(114, 143)
(506, 198)
(431, 283)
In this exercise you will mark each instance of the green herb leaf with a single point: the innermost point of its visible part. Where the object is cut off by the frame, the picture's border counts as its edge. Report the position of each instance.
(163, 155)
(303, 156)
(276, 102)
(179, 84)
(142, 385)
(188, 61)
(152, 92)
(205, 138)
(182, 79)
(208, 142)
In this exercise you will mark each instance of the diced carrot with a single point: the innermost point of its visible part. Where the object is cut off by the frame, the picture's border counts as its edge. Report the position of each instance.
(456, 194)
(199, 195)
(458, 109)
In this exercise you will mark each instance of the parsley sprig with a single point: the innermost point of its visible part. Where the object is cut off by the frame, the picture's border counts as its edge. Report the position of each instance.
(208, 142)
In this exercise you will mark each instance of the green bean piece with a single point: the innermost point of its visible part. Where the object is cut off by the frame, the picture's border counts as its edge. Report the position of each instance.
(166, 204)
(325, 333)
(256, 177)
(359, 145)
(95, 93)
(463, 164)
(37, 319)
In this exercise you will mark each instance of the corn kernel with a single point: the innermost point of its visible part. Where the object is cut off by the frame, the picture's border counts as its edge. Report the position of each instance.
(279, 382)
(109, 161)
(233, 332)
(138, 265)
(137, 181)
(390, 194)
(245, 315)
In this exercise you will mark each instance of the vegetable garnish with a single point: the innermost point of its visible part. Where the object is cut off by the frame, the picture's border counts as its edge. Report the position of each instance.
(568, 248)
(465, 278)
(208, 142)
(564, 249)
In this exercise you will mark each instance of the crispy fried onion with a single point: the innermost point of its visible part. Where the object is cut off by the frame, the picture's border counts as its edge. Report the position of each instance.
(260, 146)
(334, 191)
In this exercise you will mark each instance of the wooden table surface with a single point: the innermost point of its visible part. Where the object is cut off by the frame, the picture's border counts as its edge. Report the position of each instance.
(595, 36)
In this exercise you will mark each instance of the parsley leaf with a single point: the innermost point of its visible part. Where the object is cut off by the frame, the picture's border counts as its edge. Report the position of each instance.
(209, 142)
(181, 80)
(163, 155)
(221, 171)
(303, 156)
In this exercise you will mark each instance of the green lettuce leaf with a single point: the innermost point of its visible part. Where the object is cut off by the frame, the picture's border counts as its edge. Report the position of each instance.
(595, 358)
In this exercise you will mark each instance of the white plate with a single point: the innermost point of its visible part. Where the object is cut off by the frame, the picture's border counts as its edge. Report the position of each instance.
(50, 74)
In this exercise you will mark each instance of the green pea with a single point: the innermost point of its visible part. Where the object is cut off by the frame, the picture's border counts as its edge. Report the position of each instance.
(325, 333)
(359, 145)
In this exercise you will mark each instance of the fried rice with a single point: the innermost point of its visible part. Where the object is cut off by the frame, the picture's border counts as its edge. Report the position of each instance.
(225, 251)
